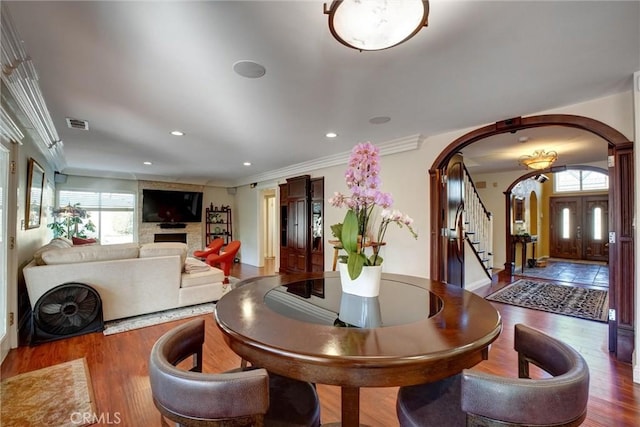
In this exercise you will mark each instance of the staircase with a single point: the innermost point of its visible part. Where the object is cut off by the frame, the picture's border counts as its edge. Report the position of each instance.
(478, 225)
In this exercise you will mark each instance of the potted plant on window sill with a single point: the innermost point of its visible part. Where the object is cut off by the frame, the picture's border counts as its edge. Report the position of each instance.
(69, 222)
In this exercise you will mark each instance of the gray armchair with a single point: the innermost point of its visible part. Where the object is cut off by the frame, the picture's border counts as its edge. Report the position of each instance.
(474, 398)
(234, 398)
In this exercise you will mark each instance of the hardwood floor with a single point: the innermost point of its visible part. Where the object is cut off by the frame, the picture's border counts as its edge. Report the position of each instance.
(118, 366)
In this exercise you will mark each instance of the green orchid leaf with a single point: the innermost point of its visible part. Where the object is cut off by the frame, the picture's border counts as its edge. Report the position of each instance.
(355, 264)
(378, 260)
(349, 235)
(336, 230)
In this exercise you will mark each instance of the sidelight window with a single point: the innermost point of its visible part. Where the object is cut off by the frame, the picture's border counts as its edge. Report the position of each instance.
(566, 223)
(597, 224)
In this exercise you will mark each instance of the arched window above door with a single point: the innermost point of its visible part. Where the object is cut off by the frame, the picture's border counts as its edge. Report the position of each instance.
(573, 180)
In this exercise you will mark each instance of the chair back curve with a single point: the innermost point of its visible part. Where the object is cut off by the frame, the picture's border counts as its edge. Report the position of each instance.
(560, 400)
(186, 396)
(235, 398)
(213, 248)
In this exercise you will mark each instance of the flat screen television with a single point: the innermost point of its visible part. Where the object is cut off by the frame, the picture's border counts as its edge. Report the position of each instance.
(171, 206)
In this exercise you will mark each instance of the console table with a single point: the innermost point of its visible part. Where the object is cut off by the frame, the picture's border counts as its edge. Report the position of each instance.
(523, 240)
(428, 331)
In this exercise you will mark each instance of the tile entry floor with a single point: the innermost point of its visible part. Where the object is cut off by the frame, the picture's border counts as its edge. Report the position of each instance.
(596, 274)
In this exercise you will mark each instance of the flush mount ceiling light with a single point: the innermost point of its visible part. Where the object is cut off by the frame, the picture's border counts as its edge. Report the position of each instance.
(376, 24)
(177, 133)
(331, 134)
(539, 160)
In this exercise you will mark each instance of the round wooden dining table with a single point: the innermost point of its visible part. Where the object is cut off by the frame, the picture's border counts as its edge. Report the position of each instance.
(302, 326)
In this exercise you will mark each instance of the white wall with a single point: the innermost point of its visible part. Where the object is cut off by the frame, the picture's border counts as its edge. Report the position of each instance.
(406, 176)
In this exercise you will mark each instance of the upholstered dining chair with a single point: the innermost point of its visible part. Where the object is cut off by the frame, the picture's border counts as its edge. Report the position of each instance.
(224, 260)
(233, 398)
(213, 247)
(474, 398)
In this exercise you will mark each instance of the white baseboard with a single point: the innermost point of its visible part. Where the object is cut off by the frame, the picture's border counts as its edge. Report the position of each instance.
(477, 284)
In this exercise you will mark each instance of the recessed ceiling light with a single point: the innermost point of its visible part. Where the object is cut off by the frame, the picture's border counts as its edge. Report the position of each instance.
(177, 133)
(379, 120)
(331, 135)
(249, 69)
(147, 163)
(247, 163)
(523, 139)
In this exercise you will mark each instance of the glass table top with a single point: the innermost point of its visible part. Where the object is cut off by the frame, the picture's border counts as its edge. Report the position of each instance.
(321, 301)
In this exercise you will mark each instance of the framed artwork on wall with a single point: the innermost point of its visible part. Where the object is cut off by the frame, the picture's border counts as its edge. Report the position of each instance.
(35, 186)
(518, 210)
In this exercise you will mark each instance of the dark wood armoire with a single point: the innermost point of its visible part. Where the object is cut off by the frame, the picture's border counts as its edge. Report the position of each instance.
(301, 225)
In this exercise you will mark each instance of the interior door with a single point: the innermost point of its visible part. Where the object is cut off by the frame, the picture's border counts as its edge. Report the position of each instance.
(566, 227)
(455, 222)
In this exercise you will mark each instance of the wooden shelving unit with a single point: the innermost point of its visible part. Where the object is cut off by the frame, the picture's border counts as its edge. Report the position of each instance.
(218, 223)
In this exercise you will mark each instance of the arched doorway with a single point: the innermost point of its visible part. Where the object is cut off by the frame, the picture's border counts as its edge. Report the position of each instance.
(621, 196)
(535, 211)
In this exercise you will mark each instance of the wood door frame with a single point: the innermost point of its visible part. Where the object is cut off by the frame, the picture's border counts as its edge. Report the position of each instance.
(621, 202)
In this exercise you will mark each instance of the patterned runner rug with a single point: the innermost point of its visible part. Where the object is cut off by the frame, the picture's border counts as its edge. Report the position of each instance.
(59, 395)
(591, 304)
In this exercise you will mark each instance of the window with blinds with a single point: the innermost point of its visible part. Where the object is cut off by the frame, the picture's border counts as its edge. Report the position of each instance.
(112, 213)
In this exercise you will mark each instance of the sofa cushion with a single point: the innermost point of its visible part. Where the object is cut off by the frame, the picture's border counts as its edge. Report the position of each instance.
(213, 275)
(150, 250)
(88, 253)
(57, 243)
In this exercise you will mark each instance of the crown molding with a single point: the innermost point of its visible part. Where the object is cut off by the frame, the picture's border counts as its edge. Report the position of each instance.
(8, 127)
(394, 146)
(20, 81)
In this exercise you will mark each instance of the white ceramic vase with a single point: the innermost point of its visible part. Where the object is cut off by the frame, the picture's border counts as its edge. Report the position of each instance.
(367, 284)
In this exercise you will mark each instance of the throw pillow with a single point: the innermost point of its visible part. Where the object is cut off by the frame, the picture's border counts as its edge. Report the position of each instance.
(77, 241)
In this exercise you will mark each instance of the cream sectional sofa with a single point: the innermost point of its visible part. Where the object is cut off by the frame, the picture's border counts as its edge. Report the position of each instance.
(131, 279)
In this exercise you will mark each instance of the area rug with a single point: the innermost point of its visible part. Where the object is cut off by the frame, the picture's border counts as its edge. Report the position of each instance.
(137, 322)
(59, 395)
(591, 304)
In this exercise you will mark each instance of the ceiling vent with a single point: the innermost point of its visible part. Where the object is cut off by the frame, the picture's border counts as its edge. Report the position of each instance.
(77, 124)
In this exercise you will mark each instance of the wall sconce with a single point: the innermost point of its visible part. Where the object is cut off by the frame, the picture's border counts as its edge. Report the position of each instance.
(376, 24)
(539, 160)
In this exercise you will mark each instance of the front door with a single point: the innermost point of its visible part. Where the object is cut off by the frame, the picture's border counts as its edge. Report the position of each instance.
(596, 228)
(579, 227)
(566, 228)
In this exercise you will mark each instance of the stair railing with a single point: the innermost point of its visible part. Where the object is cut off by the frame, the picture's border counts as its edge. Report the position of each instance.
(478, 224)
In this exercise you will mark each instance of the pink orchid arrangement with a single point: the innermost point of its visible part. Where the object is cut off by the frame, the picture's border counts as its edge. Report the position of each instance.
(363, 180)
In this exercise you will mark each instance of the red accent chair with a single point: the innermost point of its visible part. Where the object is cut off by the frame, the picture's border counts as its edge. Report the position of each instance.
(214, 248)
(224, 261)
